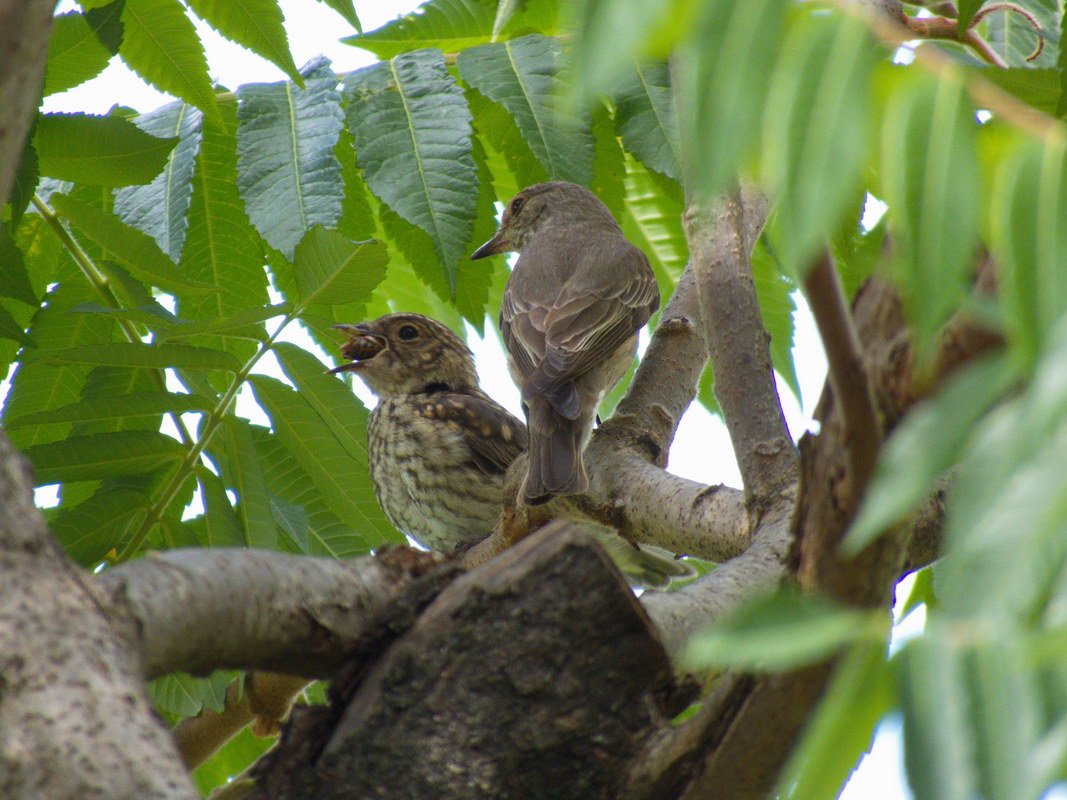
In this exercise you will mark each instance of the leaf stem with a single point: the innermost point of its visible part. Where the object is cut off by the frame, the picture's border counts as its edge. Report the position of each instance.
(211, 423)
(102, 285)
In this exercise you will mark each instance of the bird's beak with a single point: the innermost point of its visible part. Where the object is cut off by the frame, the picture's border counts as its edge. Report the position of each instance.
(361, 347)
(498, 244)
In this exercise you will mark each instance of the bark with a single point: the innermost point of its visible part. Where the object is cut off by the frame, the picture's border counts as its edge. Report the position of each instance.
(25, 26)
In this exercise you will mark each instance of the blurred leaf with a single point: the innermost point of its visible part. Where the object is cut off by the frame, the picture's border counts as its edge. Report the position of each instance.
(523, 75)
(287, 173)
(183, 695)
(452, 25)
(317, 450)
(931, 185)
(331, 269)
(11, 329)
(133, 404)
(856, 252)
(815, 132)
(842, 729)
(242, 472)
(231, 760)
(723, 77)
(1011, 35)
(1029, 206)
(75, 53)
(1039, 88)
(14, 280)
(138, 354)
(783, 631)
(102, 455)
(161, 45)
(938, 739)
(293, 521)
(92, 529)
(221, 526)
(652, 220)
(134, 250)
(926, 443)
(411, 125)
(645, 117)
(253, 24)
(108, 151)
(776, 294)
(967, 10)
(346, 10)
(172, 189)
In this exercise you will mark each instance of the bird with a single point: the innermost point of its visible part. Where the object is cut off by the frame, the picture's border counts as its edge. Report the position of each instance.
(569, 317)
(439, 446)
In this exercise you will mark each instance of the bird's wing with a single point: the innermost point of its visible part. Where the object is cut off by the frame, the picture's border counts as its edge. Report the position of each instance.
(522, 328)
(587, 323)
(495, 437)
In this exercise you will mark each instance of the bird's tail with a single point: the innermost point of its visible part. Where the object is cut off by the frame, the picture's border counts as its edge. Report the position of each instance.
(555, 458)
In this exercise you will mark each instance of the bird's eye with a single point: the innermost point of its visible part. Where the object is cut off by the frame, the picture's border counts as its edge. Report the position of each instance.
(408, 332)
(516, 205)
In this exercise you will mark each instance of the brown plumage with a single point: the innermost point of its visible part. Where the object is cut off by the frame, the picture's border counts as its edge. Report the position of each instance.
(571, 311)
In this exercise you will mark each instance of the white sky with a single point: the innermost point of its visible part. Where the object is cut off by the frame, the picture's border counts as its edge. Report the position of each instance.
(701, 450)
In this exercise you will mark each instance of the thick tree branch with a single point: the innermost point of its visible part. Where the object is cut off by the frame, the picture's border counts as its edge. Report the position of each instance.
(847, 371)
(201, 610)
(74, 717)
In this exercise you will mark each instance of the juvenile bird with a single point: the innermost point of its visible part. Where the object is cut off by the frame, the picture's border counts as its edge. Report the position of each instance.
(439, 446)
(569, 318)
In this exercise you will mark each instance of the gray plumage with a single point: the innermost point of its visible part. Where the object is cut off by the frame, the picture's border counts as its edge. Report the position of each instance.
(570, 314)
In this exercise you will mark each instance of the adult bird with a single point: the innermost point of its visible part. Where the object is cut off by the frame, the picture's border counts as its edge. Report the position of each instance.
(571, 311)
(439, 446)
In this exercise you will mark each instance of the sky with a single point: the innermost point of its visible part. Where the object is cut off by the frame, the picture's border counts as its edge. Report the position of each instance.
(701, 450)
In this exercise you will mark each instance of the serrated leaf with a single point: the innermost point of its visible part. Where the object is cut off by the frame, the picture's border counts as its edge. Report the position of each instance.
(645, 118)
(161, 208)
(138, 354)
(316, 449)
(136, 404)
(161, 45)
(932, 192)
(75, 53)
(926, 443)
(134, 250)
(452, 25)
(102, 455)
(106, 151)
(10, 329)
(221, 526)
(242, 325)
(253, 24)
(95, 527)
(723, 79)
(293, 521)
(105, 20)
(184, 696)
(346, 10)
(412, 131)
(507, 154)
(286, 170)
(523, 75)
(782, 631)
(815, 132)
(230, 760)
(652, 220)
(775, 293)
(242, 472)
(331, 269)
(1013, 37)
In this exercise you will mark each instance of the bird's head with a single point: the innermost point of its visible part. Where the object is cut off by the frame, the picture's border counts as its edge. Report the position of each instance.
(556, 204)
(405, 353)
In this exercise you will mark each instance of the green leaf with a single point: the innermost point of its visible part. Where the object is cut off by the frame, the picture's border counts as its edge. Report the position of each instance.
(293, 521)
(95, 527)
(723, 76)
(10, 329)
(135, 404)
(926, 443)
(1012, 36)
(1039, 88)
(242, 325)
(221, 247)
(105, 20)
(783, 631)
(160, 208)
(938, 739)
(161, 45)
(346, 10)
(241, 471)
(967, 10)
(523, 75)
(860, 693)
(411, 125)
(102, 455)
(289, 178)
(134, 250)
(776, 293)
(331, 269)
(138, 354)
(253, 24)
(14, 280)
(232, 759)
(452, 25)
(1029, 204)
(652, 220)
(815, 134)
(184, 695)
(221, 526)
(106, 151)
(931, 186)
(316, 449)
(75, 53)
(645, 118)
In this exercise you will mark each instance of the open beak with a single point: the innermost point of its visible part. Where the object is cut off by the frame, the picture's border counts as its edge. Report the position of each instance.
(498, 244)
(361, 347)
